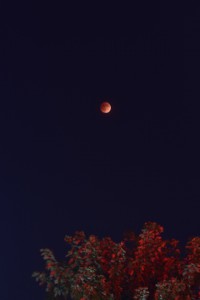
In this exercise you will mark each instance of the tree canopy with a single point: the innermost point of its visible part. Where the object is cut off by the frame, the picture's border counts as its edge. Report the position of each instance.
(140, 267)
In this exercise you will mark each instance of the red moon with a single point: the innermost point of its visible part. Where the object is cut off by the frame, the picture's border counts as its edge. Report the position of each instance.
(105, 107)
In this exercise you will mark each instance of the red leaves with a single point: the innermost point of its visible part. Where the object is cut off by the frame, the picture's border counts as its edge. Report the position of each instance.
(52, 273)
(71, 261)
(149, 268)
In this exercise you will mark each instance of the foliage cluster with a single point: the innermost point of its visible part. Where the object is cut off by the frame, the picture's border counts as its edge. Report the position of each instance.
(140, 267)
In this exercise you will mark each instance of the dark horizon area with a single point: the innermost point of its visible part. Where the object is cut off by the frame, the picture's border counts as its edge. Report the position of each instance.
(65, 166)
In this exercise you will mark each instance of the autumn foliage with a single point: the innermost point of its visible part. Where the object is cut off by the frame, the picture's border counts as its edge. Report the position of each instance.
(139, 267)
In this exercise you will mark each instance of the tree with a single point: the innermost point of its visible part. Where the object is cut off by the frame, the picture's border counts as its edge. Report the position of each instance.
(139, 267)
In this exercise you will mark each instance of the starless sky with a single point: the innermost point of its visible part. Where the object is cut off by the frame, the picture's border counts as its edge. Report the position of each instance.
(65, 166)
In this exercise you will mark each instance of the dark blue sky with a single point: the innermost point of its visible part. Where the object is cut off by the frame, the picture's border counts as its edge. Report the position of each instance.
(63, 165)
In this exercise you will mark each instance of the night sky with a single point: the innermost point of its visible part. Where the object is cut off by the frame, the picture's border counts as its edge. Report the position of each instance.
(65, 166)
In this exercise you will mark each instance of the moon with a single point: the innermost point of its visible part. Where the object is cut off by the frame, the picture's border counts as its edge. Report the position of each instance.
(105, 107)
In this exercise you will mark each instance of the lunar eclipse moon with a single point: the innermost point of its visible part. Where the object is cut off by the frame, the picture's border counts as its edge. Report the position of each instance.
(105, 107)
